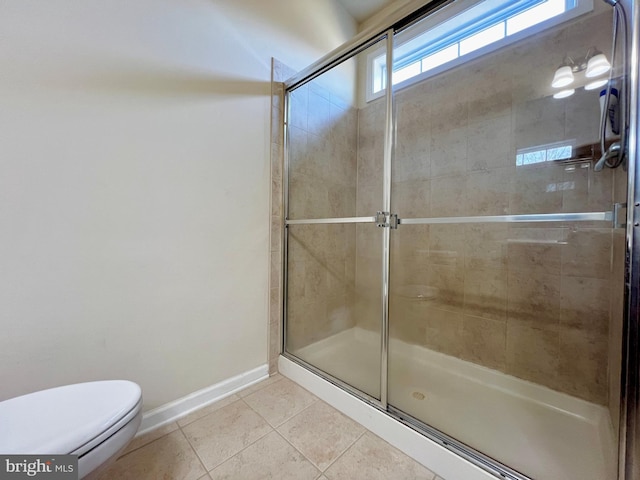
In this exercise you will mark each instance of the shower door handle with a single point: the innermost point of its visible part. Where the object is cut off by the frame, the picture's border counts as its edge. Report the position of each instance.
(387, 220)
(617, 223)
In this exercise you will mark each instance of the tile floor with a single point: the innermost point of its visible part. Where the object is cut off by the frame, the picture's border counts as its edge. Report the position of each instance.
(272, 430)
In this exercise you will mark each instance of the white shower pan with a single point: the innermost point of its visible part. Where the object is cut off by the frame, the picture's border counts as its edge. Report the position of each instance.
(542, 433)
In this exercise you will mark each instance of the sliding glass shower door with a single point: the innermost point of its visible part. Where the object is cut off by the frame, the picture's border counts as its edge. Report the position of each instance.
(334, 248)
(502, 267)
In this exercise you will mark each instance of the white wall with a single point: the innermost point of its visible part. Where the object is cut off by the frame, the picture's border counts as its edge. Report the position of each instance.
(134, 186)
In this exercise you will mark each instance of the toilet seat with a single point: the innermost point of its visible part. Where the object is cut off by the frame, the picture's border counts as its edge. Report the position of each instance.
(67, 420)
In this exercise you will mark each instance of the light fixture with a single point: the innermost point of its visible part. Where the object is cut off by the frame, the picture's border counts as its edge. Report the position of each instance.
(593, 64)
(564, 93)
(596, 84)
(597, 65)
(562, 77)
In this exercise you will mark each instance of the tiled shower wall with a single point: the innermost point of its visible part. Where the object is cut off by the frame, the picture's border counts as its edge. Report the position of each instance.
(532, 300)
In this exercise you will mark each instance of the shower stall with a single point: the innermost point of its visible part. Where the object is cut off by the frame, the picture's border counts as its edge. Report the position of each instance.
(451, 255)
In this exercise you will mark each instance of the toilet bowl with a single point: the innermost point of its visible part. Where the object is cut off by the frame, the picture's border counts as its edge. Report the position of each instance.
(94, 421)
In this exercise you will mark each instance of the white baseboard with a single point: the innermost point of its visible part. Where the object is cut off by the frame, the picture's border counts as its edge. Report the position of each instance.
(433, 456)
(183, 406)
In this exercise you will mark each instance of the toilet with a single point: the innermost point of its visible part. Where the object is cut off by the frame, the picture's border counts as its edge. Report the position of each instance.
(94, 420)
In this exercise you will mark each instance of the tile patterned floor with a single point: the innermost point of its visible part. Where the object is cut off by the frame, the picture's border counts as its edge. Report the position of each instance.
(272, 430)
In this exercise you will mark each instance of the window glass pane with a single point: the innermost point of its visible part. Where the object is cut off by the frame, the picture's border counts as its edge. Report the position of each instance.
(406, 72)
(538, 14)
(479, 40)
(440, 58)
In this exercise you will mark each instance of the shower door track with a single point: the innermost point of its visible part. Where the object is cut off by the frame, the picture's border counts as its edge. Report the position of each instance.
(486, 463)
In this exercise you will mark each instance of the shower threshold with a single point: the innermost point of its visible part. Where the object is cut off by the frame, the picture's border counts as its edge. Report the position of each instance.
(544, 434)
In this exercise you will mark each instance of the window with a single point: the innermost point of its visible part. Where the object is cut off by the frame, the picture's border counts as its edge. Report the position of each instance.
(543, 153)
(434, 45)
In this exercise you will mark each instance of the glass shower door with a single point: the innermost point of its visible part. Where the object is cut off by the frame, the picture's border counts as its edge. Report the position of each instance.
(334, 248)
(504, 272)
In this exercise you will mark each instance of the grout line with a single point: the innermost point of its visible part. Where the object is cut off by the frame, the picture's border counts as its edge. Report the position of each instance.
(298, 413)
(303, 455)
(193, 449)
(346, 450)
(226, 459)
(243, 449)
(262, 387)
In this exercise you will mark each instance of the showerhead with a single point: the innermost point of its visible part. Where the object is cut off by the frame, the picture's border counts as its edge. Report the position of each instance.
(613, 3)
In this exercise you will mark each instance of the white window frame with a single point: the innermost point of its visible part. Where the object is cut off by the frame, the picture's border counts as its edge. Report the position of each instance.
(373, 58)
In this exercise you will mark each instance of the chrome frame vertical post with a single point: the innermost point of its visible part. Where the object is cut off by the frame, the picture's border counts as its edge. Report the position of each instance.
(629, 440)
(285, 215)
(386, 200)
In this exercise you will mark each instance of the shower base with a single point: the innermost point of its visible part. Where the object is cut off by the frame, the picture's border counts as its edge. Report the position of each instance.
(542, 433)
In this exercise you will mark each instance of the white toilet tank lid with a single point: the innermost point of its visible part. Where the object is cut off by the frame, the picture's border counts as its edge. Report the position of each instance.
(62, 419)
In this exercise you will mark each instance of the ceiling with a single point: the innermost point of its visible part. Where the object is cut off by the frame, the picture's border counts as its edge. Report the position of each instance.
(363, 9)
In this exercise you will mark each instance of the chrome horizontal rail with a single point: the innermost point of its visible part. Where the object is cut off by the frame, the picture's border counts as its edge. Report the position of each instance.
(320, 221)
(537, 217)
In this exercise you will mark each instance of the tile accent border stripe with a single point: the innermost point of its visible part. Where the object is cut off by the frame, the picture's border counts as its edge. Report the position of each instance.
(444, 463)
(172, 411)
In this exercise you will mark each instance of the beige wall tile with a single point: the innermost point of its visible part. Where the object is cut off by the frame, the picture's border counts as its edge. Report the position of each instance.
(536, 249)
(412, 156)
(585, 304)
(369, 199)
(447, 287)
(411, 199)
(299, 106)
(449, 152)
(318, 113)
(584, 190)
(588, 253)
(532, 353)
(583, 364)
(538, 122)
(485, 293)
(269, 457)
(449, 109)
(533, 298)
(485, 246)
(447, 245)
(487, 192)
(443, 331)
(489, 84)
(321, 433)
(448, 196)
(489, 143)
(484, 342)
(537, 189)
(408, 319)
(225, 432)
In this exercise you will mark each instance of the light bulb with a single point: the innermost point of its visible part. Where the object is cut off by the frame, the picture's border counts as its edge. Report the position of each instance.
(564, 93)
(562, 77)
(597, 65)
(596, 84)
